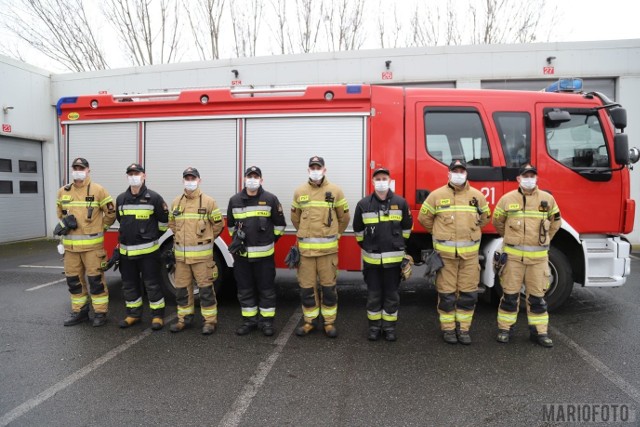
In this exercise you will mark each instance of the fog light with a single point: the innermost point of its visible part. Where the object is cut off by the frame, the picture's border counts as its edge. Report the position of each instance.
(94, 104)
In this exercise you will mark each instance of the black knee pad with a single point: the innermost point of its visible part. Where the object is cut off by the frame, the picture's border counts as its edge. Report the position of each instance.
(447, 302)
(182, 296)
(307, 297)
(95, 285)
(73, 282)
(467, 300)
(509, 302)
(537, 304)
(207, 294)
(329, 296)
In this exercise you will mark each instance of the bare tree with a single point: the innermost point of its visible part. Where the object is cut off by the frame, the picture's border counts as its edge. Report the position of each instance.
(246, 17)
(344, 24)
(204, 18)
(59, 29)
(151, 35)
(388, 30)
(280, 27)
(309, 14)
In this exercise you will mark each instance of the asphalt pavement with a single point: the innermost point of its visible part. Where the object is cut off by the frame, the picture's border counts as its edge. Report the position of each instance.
(84, 376)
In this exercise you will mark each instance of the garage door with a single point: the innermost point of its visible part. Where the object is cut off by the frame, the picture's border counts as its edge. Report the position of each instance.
(606, 86)
(21, 190)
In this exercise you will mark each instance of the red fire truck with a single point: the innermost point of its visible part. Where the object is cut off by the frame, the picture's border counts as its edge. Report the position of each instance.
(575, 139)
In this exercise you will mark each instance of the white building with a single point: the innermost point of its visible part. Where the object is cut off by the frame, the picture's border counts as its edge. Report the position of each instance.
(30, 143)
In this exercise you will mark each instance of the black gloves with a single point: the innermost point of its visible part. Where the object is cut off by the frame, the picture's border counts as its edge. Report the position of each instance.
(65, 225)
(293, 257)
(114, 261)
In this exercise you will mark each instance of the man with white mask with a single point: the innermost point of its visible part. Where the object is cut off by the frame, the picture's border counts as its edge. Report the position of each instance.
(454, 215)
(143, 216)
(85, 210)
(527, 218)
(195, 221)
(382, 222)
(255, 221)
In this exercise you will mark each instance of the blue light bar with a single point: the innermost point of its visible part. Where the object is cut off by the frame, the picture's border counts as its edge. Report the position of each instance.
(66, 100)
(565, 85)
(354, 89)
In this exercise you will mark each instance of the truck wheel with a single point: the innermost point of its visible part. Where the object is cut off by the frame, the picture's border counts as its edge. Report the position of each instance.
(561, 280)
(169, 279)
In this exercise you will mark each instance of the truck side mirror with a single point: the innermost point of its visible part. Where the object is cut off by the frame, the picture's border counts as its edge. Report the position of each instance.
(621, 148)
(619, 117)
(556, 117)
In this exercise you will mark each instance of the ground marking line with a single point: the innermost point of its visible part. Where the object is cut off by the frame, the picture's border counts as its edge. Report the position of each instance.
(30, 404)
(45, 285)
(41, 266)
(603, 369)
(234, 415)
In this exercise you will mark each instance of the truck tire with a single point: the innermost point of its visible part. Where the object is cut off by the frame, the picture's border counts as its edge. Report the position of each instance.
(561, 280)
(168, 279)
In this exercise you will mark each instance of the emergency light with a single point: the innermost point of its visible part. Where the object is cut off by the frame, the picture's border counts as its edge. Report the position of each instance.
(565, 85)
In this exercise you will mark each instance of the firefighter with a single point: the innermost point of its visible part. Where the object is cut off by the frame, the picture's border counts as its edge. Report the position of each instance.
(454, 215)
(527, 218)
(382, 221)
(195, 221)
(143, 216)
(320, 214)
(255, 221)
(85, 210)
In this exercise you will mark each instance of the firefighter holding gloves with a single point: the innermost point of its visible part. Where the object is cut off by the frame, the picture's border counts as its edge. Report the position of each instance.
(320, 214)
(454, 215)
(255, 221)
(195, 221)
(527, 218)
(143, 216)
(85, 210)
(382, 221)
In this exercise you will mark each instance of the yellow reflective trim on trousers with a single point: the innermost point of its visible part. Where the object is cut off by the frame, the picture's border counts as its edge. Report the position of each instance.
(453, 249)
(389, 317)
(374, 316)
(538, 319)
(250, 313)
(213, 311)
(186, 310)
(327, 245)
(406, 235)
(329, 311)
(268, 313)
(83, 299)
(464, 317)
(447, 318)
(311, 313)
(532, 254)
(83, 242)
(134, 304)
(359, 238)
(157, 305)
(509, 318)
(100, 300)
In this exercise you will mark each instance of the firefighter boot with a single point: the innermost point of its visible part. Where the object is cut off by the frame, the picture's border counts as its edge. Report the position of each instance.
(463, 337)
(157, 323)
(305, 328)
(389, 330)
(77, 317)
(450, 337)
(503, 336)
(128, 321)
(542, 339)
(249, 324)
(208, 328)
(374, 330)
(330, 331)
(267, 328)
(182, 324)
(100, 319)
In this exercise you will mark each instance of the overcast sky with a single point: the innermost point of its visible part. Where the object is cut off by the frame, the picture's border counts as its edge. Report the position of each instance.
(578, 20)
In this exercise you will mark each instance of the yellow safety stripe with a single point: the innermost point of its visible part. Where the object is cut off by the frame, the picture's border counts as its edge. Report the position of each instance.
(427, 208)
(498, 212)
(528, 254)
(194, 254)
(68, 240)
(258, 254)
(327, 245)
(486, 209)
(278, 230)
(186, 310)
(311, 313)
(187, 216)
(329, 311)
(268, 312)
(81, 204)
(454, 249)
(215, 215)
(342, 203)
(456, 208)
(538, 319)
(134, 304)
(100, 300)
(106, 200)
(406, 234)
(508, 318)
(527, 214)
(464, 317)
(209, 311)
(249, 311)
(138, 213)
(447, 318)
(374, 315)
(393, 317)
(377, 259)
(163, 226)
(135, 250)
(79, 299)
(252, 214)
(296, 205)
(554, 211)
(157, 304)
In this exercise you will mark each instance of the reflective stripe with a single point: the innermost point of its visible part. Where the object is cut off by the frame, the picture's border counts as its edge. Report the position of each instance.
(525, 253)
(83, 239)
(187, 216)
(329, 311)
(216, 215)
(427, 208)
(318, 242)
(231, 230)
(194, 251)
(447, 318)
(316, 204)
(81, 300)
(359, 236)
(508, 318)
(311, 313)
(278, 230)
(342, 203)
(459, 247)
(260, 251)
(134, 304)
(249, 311)
(527, 214)
(374, 315)
(382, 258)
(155, 305)
(106, 200)
(268, 312)
(389, 317)
(163, 226)
(464, 317)
(145, 248)
(81, 204)
(538, 319)
(251, 212)
(456, 208)
(100, 300)
(185, 311)
(209, 311)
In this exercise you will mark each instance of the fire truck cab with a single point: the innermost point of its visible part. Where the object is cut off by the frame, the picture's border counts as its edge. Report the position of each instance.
(574, 138)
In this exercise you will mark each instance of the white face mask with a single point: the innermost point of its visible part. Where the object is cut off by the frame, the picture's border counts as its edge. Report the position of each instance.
(381, 186)
(79, 175)
(134, 180)
(190, 185)
(316, 175)
(528, 183)
(252, 183)
(457, 178)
